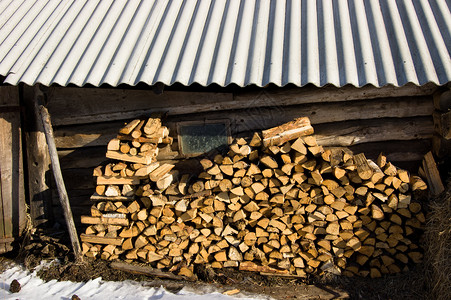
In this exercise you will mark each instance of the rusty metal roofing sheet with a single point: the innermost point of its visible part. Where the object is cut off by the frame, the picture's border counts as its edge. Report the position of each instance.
(245, 42)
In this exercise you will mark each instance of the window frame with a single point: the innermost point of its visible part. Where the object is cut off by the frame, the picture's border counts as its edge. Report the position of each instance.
(226, 122)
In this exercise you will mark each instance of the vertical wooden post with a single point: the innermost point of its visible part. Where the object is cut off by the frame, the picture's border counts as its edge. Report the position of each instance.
(12, 196)
(64, 199)
(38, 160)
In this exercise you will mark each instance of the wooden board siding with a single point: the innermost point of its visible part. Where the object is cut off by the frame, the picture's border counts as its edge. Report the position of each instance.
(365, 119)
(12, 195)
(100, 105)
(256, 118)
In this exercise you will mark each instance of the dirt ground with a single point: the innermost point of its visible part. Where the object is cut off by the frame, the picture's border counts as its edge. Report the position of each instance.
(408, 285)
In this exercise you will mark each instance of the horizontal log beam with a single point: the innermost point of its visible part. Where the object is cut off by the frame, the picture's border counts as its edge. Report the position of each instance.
(105, 105)
(376, 130)
(249, 118)
(116, 104)
(287, 96)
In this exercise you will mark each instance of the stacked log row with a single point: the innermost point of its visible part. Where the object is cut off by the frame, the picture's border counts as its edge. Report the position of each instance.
(128, 177)
(134, 153)
(276, 203)
(138, 141)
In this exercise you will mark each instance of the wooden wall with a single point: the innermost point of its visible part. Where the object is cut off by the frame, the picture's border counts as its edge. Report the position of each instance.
(12, 193)
(397, 121)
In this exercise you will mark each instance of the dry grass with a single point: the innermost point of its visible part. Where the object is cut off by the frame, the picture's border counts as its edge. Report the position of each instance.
(437, 244)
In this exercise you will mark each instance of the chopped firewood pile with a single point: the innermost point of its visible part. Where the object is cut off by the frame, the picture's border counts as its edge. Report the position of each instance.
(276, 203)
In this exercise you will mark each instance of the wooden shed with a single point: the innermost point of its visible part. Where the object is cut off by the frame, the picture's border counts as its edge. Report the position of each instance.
(367, 78)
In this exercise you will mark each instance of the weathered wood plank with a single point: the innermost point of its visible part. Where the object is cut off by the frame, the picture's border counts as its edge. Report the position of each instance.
(78, 201)
(376, 130)
(256, 119)
(11, 166)
(7, 173)
(442, 124)
(86, 157)
(76, 197)
(292, 96)
(2, 223)
(5, 214)
(89, 135)
(38, 159)
(249, 118)
(77, 211)
(9, 96)
(79, 179)
(119, 104)
(2, 226)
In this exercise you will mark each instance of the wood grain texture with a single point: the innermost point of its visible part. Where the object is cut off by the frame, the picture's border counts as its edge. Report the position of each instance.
(119, 104)
(12, 198)
(432, 175)
(249, 118)
(38, 161)
(292, 96)
(101, 240)
(442, 124)
(375, 130)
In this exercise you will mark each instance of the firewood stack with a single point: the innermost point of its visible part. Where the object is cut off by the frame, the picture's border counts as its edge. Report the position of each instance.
(276, 203)
(135, 153)
(129, 177)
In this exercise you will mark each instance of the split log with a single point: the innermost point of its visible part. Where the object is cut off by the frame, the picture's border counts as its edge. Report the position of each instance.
(146, 160)
(286, 132)
(127, 129)
(101, 240)
(105, 180)
(432, 175)
(104, 221)
(145, 170)
(152, 126)
(160, 172)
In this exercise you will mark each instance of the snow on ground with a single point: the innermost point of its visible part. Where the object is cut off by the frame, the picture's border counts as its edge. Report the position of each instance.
(35, 288)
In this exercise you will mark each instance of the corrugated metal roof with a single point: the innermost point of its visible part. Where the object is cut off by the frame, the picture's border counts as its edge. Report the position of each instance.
(246, 42)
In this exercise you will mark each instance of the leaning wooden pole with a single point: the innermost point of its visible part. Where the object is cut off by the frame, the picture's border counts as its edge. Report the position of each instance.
(64, 199)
